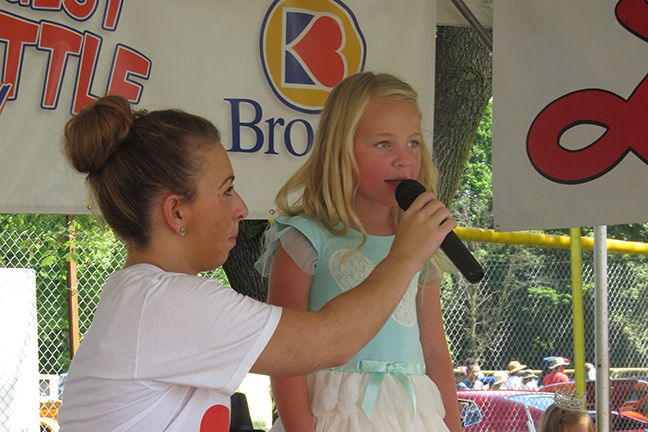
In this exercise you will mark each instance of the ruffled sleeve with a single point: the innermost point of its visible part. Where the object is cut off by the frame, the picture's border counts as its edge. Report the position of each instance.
(294, 242)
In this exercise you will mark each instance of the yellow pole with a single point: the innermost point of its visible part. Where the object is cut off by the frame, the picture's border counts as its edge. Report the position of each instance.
(577, 308)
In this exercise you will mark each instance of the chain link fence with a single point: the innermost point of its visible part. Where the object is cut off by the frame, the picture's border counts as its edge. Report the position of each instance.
(47, 244)
(522, 310)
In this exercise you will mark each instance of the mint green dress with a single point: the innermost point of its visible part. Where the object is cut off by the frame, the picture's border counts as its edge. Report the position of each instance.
(384, 386)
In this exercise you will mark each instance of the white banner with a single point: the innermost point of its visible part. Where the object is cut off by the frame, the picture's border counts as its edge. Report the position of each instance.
(569, 116)
(260, 70)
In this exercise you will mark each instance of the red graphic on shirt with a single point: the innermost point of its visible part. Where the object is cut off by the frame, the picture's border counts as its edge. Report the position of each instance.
(216, 419)
(623, 121)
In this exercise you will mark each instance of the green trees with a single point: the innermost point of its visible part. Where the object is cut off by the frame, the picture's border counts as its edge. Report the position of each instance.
(41, 242)
(523, 308)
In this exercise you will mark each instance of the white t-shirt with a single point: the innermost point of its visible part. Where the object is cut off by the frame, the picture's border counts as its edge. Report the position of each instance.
(165, 352)
(513, 382)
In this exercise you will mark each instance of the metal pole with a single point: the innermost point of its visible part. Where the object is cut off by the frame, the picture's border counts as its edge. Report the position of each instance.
(577, 310)
(474, 23)
(603, 419)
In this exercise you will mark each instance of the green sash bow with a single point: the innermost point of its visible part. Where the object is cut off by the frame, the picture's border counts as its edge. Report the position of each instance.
(378, 370)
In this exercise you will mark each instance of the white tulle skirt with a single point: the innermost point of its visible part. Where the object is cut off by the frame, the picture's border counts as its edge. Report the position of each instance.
(336, 402)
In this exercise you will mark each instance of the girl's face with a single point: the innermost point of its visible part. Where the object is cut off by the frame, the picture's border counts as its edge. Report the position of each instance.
(214, 215)
(386, 147)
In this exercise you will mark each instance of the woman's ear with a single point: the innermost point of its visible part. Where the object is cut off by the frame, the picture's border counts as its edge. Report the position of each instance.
(173, 213)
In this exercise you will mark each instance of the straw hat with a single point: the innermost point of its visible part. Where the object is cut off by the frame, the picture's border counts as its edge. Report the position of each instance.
(529, 375)
(557, 362)
(515, 366)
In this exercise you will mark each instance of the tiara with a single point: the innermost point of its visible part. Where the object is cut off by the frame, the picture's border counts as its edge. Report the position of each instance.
(569, 399)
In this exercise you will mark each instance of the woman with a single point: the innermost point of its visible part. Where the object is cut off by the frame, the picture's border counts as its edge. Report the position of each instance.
(167, 348)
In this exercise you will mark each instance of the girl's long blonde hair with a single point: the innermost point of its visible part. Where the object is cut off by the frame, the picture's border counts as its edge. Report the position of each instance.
(324, 186)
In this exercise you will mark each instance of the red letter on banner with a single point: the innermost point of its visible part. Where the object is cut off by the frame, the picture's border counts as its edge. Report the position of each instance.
(46, 4)
(15, 32)
(633, 15)
(80, 10)
(60, 42)
(111, 17)
(624, 122)
(87, 65)
(128, 62)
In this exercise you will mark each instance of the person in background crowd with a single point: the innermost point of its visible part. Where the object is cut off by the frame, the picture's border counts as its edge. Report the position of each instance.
(590, 372)
(514, 380)
(472, 381)
(529, 381)
(499, 380)
(167, 348)
(544, 369)
(464, 368)
(556, 372)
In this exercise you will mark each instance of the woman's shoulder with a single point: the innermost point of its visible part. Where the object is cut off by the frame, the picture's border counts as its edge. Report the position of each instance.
(147, 277)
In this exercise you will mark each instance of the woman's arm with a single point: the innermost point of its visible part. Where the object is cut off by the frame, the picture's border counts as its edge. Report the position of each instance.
(307, 341)
(289, 287)
(435, 351)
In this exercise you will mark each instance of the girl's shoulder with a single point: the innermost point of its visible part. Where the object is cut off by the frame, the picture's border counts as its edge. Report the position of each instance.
(299, 234)
(312, 228)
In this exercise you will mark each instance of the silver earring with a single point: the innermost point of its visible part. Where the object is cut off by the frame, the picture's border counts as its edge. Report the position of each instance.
(182, 231)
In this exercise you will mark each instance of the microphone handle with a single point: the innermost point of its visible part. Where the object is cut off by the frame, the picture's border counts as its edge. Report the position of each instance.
(461, 257)
(406, 192)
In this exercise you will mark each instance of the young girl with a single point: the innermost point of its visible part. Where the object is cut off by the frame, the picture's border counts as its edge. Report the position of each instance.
(338, 228)
(566, 414)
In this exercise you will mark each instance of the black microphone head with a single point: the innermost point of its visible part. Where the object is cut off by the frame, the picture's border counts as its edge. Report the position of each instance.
(407, 191)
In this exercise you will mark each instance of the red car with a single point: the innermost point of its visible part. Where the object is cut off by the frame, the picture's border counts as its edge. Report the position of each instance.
(638, 399)
(501, 410)
(512, 411)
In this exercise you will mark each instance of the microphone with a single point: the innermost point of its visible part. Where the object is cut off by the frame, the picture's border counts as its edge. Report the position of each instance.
(452, 246)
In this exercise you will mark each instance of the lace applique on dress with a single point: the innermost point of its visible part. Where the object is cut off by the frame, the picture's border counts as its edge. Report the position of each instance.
(349, 271)
(405, 313)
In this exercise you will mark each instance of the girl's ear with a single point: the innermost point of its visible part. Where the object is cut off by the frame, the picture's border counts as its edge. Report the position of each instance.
(173, 212)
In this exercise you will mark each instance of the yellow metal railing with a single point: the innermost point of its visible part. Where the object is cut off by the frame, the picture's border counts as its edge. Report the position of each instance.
(546, 240)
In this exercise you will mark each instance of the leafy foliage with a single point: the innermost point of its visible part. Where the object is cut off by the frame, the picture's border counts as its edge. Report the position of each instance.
(506, 314)
(48, 244)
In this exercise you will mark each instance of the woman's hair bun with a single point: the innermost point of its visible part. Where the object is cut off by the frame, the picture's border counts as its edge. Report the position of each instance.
(96, 132)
